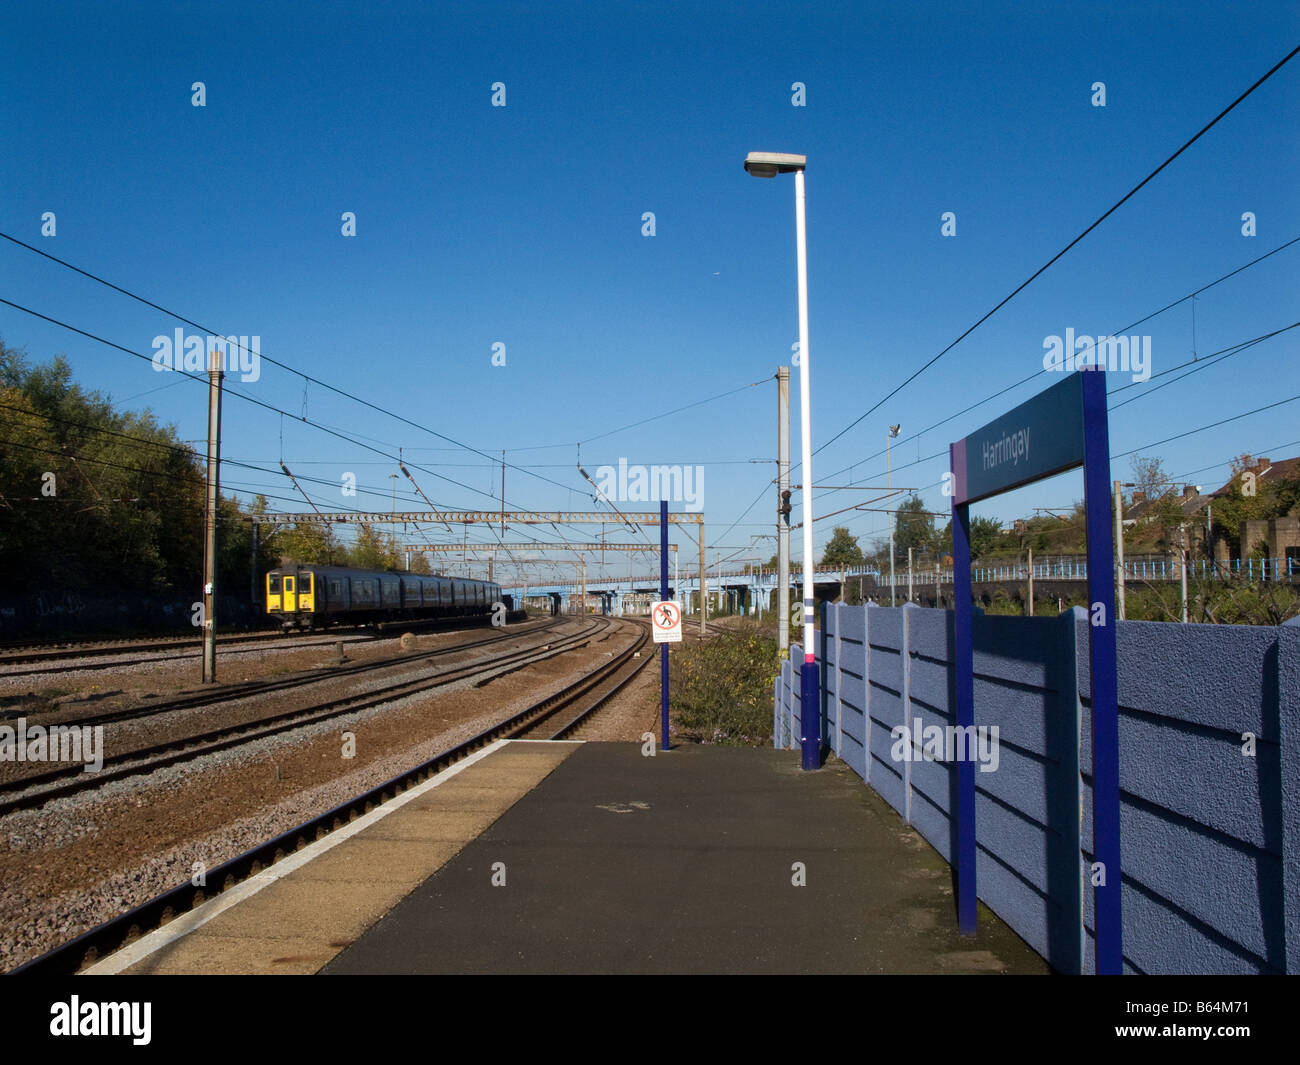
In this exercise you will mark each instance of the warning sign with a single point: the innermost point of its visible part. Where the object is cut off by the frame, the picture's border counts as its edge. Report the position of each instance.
(666, 622)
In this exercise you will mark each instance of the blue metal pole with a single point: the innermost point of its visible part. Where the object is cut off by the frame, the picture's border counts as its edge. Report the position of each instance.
(1105, 691)
(964, 669)
(663, 647)
(810, 717)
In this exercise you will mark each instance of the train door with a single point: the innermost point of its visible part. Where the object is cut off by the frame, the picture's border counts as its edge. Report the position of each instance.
(306, 592)
(290, 594)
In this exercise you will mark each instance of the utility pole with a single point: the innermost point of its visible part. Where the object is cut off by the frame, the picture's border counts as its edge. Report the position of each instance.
(1183, 552)
(889, 473)
(1031, 582)
(1209, 539)
(1119, 551)
(704, 585)
(584, 583)
(210, 520)
(783, 511)
(503, 492)
(909, 574)
(252, 569)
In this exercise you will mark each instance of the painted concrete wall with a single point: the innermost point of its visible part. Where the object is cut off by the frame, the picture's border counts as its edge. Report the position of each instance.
(1211, 836)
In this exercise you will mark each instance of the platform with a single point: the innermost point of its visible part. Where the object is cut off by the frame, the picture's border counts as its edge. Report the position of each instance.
(590, 857)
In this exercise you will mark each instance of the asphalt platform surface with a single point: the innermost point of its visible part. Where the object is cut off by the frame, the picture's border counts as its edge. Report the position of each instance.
(689, 862)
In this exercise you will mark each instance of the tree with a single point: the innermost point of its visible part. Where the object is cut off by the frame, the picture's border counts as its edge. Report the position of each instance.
(306, 542)
(842, 549)
(984, 534)
(913, 527)
(1149, 476)
(370, 551)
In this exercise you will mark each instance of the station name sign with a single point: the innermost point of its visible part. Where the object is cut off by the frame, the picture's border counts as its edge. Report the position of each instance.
(1039, 438)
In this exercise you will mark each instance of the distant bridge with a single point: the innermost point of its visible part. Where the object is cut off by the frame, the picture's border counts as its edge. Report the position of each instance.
(744, 592)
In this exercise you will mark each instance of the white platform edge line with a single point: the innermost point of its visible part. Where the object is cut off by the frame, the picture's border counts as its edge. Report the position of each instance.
(201, 915)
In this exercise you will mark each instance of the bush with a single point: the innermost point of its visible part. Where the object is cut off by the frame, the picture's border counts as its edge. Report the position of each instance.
(721, 690)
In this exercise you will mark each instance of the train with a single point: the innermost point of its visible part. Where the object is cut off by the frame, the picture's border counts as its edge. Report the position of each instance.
(307, 597)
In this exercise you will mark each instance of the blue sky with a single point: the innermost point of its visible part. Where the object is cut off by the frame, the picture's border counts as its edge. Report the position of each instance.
(522, 225)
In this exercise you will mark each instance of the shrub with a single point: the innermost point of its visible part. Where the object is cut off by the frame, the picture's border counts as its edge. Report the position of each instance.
(721, 689)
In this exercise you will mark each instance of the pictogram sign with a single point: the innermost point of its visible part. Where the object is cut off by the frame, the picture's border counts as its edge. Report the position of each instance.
(666, 622)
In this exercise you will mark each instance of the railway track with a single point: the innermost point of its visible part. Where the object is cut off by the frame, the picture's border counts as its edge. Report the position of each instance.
(151, 654)
(68, 779)
(563, 714)
(57, 651)
(587, 694)
(27, 653)
(233, 692)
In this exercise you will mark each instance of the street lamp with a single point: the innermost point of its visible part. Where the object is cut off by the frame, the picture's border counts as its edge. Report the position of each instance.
(768, 165)
(889, 473)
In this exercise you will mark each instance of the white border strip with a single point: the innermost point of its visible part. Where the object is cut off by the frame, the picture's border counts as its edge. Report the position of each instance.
(186, 923)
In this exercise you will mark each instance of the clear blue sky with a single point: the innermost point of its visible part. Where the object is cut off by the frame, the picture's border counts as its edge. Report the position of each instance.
(523, 225)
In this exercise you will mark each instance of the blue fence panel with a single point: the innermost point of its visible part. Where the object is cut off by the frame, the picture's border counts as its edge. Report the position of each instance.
(1027, 783)
(1202, 821)
(852, 682)
(1209, 773)
(885, 683)
(796, 696)
(828, 666)
(930, 706)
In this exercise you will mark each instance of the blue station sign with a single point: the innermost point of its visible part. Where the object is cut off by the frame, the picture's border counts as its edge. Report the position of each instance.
(1061, 428)
(1041, 437)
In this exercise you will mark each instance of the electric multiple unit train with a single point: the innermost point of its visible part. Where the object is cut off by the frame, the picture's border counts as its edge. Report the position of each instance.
(310, 597)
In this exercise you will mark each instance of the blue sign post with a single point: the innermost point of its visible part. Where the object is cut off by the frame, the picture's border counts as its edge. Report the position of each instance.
(1059, 429)
(663, 595)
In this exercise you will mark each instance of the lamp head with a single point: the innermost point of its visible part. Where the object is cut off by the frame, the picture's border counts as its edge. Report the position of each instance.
(769, 164)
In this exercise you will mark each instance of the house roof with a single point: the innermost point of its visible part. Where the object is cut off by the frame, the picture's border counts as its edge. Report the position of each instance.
(1265, 470)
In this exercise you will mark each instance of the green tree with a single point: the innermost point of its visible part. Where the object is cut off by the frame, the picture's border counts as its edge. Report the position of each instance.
(842, 549)
(984, 535)
(913, 527)
(374, 550)
(308, 542)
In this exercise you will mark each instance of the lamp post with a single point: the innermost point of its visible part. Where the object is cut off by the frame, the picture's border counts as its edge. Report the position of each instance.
(768, 165)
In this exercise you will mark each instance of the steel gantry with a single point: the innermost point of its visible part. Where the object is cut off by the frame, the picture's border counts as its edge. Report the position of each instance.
(504, 517)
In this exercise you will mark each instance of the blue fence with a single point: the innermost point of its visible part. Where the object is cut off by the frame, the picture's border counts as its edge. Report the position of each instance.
(1209, 773)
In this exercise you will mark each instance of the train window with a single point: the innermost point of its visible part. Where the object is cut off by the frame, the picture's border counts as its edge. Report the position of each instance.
(304, 584)
(335, 588)
(273, 583)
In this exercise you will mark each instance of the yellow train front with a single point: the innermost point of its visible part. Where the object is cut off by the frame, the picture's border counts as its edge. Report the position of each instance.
(307, 597)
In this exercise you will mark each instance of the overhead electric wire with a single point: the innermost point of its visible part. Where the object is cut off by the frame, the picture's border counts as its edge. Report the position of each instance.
(1042, 269)
(1201, 362)
(274, 362)
(1120, 332)
(250, 399)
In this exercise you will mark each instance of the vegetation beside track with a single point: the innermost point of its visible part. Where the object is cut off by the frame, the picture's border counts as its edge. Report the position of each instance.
(720, 689)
